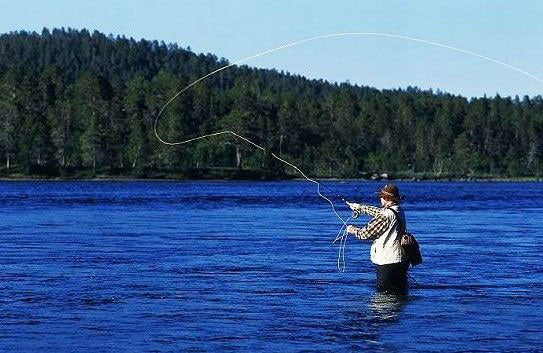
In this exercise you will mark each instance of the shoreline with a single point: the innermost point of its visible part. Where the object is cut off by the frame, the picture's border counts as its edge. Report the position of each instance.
(174, 179)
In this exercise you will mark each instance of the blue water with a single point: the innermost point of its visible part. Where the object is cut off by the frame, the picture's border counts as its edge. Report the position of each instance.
(249, 266)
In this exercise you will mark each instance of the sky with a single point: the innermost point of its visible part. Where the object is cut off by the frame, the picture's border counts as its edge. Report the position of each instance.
(507, 31)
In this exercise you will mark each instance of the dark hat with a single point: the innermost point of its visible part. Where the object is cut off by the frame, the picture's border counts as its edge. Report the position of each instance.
(390, 192)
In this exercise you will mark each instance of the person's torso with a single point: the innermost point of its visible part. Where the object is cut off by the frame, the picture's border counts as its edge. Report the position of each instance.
(387, 248)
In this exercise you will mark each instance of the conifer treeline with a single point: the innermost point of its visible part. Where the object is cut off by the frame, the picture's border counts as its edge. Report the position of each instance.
(75, 101)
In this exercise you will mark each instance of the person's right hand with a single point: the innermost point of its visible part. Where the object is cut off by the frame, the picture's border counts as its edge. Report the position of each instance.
(353, 206)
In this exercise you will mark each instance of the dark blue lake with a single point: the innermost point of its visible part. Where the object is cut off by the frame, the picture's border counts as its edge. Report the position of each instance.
(250, 266)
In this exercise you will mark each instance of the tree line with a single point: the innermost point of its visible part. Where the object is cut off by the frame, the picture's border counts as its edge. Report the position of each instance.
(75, 103)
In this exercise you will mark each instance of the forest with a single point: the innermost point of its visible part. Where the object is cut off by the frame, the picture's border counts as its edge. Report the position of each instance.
(76, 104)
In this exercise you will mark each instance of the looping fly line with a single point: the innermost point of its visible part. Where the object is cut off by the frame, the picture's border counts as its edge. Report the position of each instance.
(342, 234)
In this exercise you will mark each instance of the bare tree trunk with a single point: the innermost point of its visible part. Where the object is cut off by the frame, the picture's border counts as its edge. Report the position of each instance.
(238, 157)
(136, 159)
(7, 161)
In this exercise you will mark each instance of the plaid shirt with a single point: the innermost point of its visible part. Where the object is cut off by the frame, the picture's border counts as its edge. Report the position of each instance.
(375, 228)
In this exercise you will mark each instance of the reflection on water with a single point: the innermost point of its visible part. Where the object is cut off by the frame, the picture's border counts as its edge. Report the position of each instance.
(364, 325)
(386, 307)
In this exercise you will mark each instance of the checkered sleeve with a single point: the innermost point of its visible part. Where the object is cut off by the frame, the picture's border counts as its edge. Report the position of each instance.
(373, 229)
(371, 210)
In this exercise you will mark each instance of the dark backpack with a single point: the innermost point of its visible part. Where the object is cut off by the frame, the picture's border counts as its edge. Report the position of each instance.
(409, 243)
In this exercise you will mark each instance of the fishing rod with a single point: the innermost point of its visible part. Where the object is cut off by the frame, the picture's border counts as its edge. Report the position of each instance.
(335, 193)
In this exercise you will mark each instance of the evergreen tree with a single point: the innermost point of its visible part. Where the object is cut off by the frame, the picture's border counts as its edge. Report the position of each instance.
(73, 100)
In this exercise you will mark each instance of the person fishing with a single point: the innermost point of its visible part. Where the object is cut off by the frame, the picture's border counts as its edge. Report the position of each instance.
(385, 229)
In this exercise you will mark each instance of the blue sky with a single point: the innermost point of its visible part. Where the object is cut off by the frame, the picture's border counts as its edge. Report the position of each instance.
(509, 31)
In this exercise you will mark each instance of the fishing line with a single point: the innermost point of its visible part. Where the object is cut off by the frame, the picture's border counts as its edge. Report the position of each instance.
(264, 150)
(343, 230)
(343, 34)
(342, 234)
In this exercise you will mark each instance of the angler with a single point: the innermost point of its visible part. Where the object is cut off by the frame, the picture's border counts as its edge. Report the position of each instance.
(387, 230)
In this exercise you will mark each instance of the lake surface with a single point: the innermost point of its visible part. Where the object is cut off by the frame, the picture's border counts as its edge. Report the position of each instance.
(250, 266)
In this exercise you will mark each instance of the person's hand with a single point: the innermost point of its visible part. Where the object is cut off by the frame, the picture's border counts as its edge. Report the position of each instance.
(353, 206)
(351, 229)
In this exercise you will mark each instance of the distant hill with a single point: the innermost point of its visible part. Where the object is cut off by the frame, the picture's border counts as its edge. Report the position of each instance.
(81, 104)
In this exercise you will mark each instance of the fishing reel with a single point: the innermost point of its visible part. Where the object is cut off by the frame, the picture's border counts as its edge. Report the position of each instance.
(355, 213)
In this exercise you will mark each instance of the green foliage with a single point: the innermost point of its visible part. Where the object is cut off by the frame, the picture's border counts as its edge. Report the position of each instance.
(83, 104)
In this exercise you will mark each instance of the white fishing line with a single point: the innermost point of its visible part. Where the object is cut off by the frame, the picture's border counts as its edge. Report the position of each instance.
(344, 34)
(342, 234)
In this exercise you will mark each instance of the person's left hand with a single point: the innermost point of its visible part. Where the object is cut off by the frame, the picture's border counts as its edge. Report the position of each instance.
(351, 229)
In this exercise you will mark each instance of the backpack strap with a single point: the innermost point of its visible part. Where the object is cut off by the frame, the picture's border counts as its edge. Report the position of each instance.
(412, 249)
(402, 226)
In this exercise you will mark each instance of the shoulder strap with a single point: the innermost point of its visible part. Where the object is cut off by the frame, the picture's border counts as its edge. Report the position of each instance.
(402, 226)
